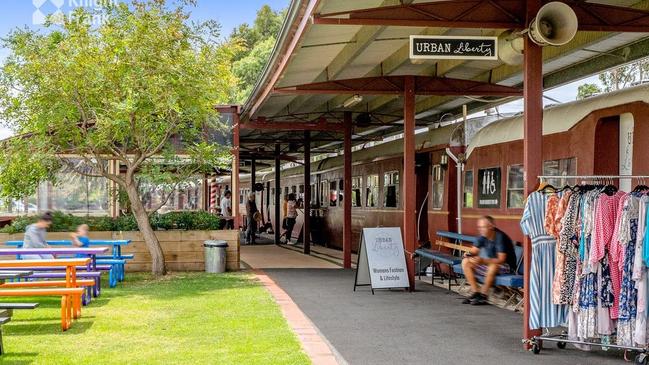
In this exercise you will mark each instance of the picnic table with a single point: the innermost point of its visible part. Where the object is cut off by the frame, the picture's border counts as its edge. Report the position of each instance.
(116, 244)
(116, 260)
(70, 295)
(91, 252)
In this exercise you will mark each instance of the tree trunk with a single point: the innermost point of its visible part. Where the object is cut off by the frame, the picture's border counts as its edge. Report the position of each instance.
(158, 267)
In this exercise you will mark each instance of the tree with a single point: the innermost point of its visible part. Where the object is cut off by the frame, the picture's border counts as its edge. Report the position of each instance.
(622, 76)
(253, 46)
(586, 90)
(139, 88)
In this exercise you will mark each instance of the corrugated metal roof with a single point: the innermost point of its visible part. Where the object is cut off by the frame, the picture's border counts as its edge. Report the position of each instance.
(336, 52)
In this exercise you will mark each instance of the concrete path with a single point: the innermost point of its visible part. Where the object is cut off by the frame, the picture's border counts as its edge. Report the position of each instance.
(272, 256)
(430, 326)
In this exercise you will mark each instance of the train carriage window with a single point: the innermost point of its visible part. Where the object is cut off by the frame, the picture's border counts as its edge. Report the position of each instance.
(324, 188)
(515, 194)
(313, 194)
(438, 187)
(294, 189)
(468, 189)
(300, 192)
(341, 191)
(286, 191)
(372, 191)
(561, 167)
(391, 186)
(333, 194)
(356, 192)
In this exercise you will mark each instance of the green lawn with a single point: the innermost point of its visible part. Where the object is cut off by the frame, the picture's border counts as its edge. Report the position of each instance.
(188, 318)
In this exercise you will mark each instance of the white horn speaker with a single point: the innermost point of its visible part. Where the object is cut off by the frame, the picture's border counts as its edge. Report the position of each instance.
(510, 48)
(555, 25)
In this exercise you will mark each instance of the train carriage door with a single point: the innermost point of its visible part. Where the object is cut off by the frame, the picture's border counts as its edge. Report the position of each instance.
(422, 171)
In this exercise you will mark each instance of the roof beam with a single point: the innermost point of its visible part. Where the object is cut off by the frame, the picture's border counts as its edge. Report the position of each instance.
(321, 125)
(394, 85)
(485, 14)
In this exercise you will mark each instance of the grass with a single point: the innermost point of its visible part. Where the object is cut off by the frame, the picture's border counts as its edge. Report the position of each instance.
(188, 318)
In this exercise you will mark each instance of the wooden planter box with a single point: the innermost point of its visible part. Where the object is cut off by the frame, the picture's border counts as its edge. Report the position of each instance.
(183, 250)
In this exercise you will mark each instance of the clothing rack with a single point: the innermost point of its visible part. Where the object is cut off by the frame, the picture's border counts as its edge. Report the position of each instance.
(561, 340)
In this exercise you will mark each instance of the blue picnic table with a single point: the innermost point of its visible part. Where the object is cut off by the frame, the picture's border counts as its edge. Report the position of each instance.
(117, 260)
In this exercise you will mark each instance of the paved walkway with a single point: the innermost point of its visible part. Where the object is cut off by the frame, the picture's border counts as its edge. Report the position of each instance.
(275, 257)
(429, 326)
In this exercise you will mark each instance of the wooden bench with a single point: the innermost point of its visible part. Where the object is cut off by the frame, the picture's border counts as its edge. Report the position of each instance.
(70, 300)
(446, 253)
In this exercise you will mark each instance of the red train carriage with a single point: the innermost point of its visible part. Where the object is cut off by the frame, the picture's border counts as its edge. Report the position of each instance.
(601, 135)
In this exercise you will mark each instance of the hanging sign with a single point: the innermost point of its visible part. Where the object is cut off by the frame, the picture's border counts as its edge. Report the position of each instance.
(381, 260)
(489, 188)
(453, 47)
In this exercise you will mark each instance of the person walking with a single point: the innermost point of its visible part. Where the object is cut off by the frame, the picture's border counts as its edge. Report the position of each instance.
(226, 210)
(251, 209)
(291, 216)
(35, 236)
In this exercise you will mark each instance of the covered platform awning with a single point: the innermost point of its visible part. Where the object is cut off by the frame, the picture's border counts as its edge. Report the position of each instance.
(337, 59)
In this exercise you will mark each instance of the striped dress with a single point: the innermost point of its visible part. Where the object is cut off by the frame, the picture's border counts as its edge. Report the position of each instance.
(543, 313)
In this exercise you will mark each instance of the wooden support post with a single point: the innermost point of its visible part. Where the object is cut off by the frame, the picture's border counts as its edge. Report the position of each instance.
(409, 178)
(306, 227)
(532, 143)
(235, 171)
(347, 192)
(278, 219)
(253, 175)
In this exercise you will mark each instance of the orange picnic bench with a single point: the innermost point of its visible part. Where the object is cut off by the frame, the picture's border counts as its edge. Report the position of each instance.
(69, 289)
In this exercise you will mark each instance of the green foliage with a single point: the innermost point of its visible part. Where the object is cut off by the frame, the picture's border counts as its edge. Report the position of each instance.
(61, 222)
(136, 88)
(623, 76)
(252, 48)
(587, 90)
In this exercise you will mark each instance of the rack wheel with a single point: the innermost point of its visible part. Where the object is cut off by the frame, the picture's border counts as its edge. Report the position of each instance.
(536, 349)
(561, 345)
(641, 359)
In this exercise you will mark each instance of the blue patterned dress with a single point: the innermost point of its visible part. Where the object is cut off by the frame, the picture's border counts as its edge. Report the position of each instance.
(543, 313)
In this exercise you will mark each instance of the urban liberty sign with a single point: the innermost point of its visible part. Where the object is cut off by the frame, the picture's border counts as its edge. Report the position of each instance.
(453, 47)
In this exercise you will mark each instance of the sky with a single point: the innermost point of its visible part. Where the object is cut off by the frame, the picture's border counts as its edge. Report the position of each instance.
(229, 13)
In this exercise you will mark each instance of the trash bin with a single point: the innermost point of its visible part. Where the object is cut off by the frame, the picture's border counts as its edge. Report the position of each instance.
(215, 255)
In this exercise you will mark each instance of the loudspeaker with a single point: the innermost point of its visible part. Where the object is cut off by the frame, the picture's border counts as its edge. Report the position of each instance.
(258, 187)
(555, 25)
(510, 48)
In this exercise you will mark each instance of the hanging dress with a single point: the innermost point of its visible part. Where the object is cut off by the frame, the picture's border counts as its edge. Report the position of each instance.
(543, 312)
(554, 229)
(640, 276)
(627, 232)
(568, 248)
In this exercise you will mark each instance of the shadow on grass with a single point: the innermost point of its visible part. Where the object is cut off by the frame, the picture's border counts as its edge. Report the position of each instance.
(47, 328)
(17, 358)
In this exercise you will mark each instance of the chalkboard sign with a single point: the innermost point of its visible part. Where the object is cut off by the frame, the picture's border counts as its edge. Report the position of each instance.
(489, 188)
(453, 47)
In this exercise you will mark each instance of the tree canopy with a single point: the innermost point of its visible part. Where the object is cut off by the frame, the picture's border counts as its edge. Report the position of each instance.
(253, 46)
(139, 88)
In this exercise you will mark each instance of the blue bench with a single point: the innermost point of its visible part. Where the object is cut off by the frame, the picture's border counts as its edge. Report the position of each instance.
(441, 256)
(510, 281)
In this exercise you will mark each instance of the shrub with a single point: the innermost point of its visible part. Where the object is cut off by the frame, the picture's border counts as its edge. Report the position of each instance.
(62, 222)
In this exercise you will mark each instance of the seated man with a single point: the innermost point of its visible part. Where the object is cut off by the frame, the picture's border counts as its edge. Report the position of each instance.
(492, 254)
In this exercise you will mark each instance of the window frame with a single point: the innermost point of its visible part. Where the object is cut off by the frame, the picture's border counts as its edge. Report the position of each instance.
(441, 181)
(378, 191)
(521, 189)
(397, 190)
(464, 204)
(358, 178)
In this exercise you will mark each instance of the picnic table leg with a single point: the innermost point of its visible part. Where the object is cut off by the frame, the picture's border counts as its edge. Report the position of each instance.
(65, 323)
